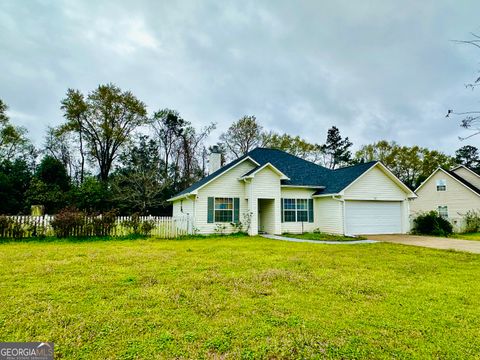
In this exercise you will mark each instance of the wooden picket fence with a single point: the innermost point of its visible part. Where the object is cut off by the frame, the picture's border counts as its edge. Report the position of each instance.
(40, 226)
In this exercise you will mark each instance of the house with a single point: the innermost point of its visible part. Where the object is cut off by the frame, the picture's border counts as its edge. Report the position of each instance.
(274, 192)
(450, 192)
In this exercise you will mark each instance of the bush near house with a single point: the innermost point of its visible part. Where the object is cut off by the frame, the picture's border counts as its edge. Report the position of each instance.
(471, 222)
(431, 223)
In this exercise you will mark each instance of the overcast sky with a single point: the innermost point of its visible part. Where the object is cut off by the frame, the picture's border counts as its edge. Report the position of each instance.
(376, 69)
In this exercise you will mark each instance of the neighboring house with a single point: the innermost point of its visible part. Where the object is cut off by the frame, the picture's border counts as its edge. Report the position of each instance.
(275, 192)
(450, 192)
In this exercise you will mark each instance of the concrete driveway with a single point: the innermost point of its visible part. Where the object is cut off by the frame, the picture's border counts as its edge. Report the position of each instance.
(430, 242)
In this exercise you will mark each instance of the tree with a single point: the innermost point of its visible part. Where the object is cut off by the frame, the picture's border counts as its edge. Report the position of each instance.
(139, 183)
(336, 150)
(242, 136)
(469, 156)
(105, 119)
(49, 186)
(15, 177)
(411, 165)
(13, 142)
(469, 119)
(294, 145)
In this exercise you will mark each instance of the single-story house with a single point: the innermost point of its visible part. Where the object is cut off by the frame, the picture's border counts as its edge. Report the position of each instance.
(450, 192)
(271, 191)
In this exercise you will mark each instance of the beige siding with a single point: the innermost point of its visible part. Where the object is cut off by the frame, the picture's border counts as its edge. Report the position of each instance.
(457, 197)
(226, 185)
(329, 215)
(469, 176)
(298, 193)
(266, 185)
(375, 185)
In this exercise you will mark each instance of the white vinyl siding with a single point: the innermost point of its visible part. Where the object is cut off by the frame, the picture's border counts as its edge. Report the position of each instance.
(265, 185)
(226, 185)
(375, 185)
(457, 198)
(182, 208)
(373, 217)
(328, 215)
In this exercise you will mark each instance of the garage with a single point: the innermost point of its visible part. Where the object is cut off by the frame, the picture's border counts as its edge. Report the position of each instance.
(373, 217)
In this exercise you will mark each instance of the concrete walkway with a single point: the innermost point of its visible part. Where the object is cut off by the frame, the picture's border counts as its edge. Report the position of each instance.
(284, 238)
(431, 242)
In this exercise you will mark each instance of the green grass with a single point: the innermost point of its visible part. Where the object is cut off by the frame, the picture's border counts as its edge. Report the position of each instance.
(469, 236)
(324, 237)
(240, 298)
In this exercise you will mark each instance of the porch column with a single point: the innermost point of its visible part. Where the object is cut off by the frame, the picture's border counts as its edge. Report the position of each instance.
(253, 209)
(278, 216)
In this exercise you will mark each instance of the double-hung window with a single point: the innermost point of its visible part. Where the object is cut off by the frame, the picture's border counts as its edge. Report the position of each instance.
(224, 210)
(289, 210)
(297, 210)
(441, 185)
(443, 211)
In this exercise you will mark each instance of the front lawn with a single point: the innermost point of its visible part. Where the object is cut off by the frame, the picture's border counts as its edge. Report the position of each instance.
(240, 298)
(469, 236)
(323, 237)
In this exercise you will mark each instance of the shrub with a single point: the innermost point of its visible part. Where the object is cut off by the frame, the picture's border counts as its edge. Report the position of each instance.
(68, 222)
(138, 226)
(103, 224)
(472, 221)
(5, 225)
(431, 223)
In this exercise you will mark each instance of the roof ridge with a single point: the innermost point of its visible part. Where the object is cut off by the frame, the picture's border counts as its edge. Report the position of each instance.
(365, 163)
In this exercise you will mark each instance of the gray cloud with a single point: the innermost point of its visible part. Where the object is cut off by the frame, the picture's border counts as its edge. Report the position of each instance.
(380, 69)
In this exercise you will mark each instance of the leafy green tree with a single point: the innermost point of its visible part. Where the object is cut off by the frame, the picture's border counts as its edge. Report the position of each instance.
(336, 150)
(294, 145)
(139, 183)
(106, 118)
(412, 164)
(15, 177)
(92, 195)
(49, 186)
(242, 136)
(13, 140)
(469, 156)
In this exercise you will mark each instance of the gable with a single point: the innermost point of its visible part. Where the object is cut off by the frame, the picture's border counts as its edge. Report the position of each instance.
(454, 186)
(375, 184)
(468, 175)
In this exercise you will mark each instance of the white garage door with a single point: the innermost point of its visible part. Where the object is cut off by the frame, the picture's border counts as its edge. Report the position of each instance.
(373, 217)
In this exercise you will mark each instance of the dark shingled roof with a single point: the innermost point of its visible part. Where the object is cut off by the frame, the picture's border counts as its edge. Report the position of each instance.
(463, 181)
(301, 172)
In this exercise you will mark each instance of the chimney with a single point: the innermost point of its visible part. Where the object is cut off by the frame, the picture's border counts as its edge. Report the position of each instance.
(214, 160)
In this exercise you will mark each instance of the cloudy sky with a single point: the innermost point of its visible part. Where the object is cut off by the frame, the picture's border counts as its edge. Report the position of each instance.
(376, 69)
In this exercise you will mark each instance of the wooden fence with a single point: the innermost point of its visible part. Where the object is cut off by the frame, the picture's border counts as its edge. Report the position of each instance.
(40, 226)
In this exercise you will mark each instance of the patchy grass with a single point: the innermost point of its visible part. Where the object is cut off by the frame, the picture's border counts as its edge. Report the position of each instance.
(469, 236)
(240, 298)
(324, 237)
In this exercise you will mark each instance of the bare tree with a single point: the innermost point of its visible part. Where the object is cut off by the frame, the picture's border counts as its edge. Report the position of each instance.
(242, 136)
(470, 119)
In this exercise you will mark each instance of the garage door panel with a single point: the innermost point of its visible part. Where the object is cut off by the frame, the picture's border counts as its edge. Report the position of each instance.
(373, 217)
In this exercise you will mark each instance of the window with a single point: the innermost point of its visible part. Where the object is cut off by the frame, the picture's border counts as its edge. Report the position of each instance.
(297, 210)
(302, 210)
(443, 211)
(223, 209)
(441, 185)
(289, 210)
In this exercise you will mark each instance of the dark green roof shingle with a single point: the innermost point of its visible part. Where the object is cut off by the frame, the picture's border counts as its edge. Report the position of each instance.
(301, 172)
